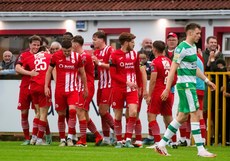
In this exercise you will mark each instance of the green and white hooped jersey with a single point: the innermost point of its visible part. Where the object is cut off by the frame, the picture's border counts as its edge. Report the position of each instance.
(186, 56)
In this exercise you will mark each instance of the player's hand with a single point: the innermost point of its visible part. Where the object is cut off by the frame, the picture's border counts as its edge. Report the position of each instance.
(145, 94)
(94, 58)
(211, 85)
(33, 73)
(131, 85)
(47, 91)
(148, 100)
(165, 95)
(85, 93)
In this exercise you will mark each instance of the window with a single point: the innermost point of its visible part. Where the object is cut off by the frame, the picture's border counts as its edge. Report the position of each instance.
(226, 44)
(17, 40)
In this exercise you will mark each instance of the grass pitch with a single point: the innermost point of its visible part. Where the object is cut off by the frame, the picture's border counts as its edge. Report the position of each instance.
(13, 151)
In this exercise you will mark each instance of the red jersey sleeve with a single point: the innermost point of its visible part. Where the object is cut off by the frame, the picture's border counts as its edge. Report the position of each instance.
(80, 63)
(153, 66)
(53, 60)
(138, 71)
(109, 52)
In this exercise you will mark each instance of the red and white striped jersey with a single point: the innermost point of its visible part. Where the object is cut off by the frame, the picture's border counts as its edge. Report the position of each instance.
(124, 67)
(104, 74)
(67, 68)
(89, 71)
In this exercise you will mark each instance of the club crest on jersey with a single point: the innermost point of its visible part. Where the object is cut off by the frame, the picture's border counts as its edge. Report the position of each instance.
(122, 64)
(73, 61)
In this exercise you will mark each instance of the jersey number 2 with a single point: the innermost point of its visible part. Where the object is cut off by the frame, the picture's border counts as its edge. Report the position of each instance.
(40, 64)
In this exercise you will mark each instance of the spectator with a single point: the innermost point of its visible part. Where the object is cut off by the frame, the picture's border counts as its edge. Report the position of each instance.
(7, 64)
(212, 52)
(67, 35)
(144, 62)
(172, 42)
(55, 46)
(147, 48)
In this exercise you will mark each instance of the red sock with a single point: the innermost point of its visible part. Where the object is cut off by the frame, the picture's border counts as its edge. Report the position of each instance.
(72, 122)
(35, 126)
(41, 128)
(91, 126)
(183, 129)
(109, 120)
(47, 128)
(25, 126)
(203, 128)
(61, 126)
(174, 138)
(83, 127)
(138, 129)
(188, 130)
(118, 130)
(105, 127)
(155, 130)
(131, 126)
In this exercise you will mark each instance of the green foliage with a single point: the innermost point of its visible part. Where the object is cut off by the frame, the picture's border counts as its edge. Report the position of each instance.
(13, 151)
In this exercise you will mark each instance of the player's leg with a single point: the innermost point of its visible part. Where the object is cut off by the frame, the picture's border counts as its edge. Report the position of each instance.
(42, 125)
(35, 125)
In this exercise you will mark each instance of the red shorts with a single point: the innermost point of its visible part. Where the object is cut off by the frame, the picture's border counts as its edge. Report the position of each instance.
(25, 99)
(120, 96)
(84, 103)
(157, 106)
(63, 100)
(104, 96)
(201, 102)
(39, 97)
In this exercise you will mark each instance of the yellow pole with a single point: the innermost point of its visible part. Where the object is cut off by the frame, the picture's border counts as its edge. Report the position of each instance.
(224, 113)
(216, 109)
(209, 114)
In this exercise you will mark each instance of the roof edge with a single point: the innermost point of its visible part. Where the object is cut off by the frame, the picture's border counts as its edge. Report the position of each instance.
(114, 15)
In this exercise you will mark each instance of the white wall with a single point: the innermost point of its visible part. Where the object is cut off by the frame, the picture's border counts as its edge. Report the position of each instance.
(10, 116)
(154, 29)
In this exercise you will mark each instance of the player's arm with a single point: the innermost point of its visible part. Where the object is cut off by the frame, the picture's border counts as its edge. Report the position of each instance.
(205, 79)
(99, 63)
(152, 82)
(170, 80)
(84, 80)
(47, 80)
(19, 69)
(144, 81)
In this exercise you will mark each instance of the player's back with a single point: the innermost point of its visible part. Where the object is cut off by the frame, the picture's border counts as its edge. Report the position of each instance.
(162, 66)
(89, 71)
(40, 63)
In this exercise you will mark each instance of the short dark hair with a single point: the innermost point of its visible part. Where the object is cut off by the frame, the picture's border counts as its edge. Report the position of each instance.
(35, 38)
(159, 46)
(100, 34)
(192, 26)
(44, 39)
(42, 48)
(68, 33)
(66, 44)
(210, 37)
(126, 36)
(79, 39)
